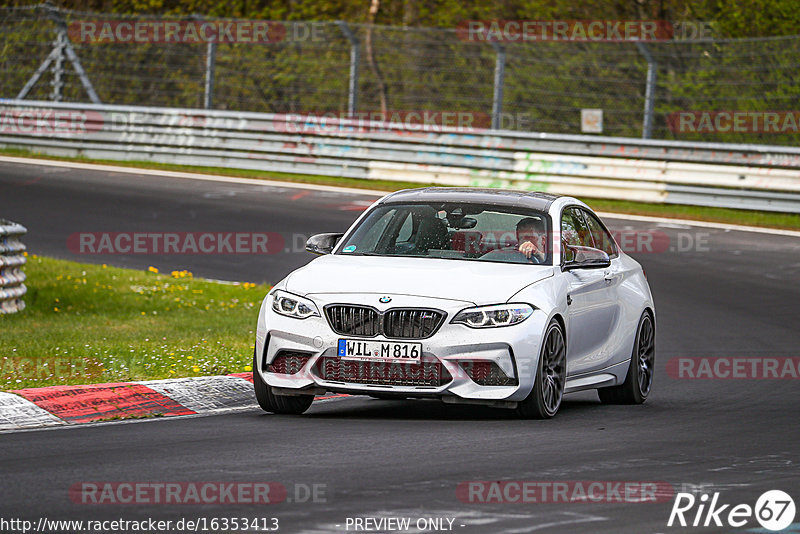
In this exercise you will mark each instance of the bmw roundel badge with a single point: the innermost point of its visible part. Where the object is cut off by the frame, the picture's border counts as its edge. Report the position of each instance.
(385, 299)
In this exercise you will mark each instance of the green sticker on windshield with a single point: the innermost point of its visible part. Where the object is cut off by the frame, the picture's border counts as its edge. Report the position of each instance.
(349, 248)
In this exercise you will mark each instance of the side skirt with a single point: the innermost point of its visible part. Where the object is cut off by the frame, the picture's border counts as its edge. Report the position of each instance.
(610, 376)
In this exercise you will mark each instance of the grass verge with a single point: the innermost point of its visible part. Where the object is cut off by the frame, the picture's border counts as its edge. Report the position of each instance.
(789, 221)
(95, 323)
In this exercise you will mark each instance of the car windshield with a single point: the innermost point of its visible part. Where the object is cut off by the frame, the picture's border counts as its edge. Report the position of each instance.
(463, 231)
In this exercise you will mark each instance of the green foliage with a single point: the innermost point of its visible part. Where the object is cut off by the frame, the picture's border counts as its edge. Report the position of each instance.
(734, 18)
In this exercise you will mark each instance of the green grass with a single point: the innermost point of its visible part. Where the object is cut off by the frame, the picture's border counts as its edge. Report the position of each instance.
(93, 324)
(789, 221)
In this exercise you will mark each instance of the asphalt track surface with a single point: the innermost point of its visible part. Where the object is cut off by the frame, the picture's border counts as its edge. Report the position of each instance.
(732, 294)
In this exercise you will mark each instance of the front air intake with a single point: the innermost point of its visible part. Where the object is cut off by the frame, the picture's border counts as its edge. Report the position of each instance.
(288, 362)
(486, 373)
(423, 374)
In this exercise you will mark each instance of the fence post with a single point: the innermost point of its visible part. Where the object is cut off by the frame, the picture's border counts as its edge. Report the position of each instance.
(649, 92)
(355, 57)
(211, 62)
(58, 67)
(76, 64)
(62, 47)
(499, 81)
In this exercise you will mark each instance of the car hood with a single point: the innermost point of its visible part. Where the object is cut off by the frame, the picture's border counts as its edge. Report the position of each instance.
(475, 282)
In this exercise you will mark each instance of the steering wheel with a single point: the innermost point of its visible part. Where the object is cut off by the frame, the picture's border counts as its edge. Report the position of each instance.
(511, 250)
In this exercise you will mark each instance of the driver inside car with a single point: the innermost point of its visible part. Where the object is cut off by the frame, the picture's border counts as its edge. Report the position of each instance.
(530, 236)
(530, 246)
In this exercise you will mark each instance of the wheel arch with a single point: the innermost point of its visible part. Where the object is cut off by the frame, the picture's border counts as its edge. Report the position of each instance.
(560, 320)
(652, 313)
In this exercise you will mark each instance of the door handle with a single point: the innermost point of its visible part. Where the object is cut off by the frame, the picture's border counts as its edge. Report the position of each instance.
(608, 275)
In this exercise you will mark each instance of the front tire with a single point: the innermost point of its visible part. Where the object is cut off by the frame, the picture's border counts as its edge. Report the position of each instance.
(639, 380)
(278, 404)
(548, 389)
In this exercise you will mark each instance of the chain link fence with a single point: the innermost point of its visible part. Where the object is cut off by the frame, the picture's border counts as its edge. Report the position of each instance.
(333, 67)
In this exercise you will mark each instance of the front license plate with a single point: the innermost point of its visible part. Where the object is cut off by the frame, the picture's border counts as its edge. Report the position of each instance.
(351, 349)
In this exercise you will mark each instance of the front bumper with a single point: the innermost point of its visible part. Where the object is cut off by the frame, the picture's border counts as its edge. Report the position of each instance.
(514, 349)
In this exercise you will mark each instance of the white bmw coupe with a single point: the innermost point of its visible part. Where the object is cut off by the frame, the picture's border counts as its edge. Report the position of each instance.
(479, 296)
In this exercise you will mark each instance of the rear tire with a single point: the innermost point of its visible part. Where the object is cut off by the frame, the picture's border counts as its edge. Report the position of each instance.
(548, 390)
(278, 404)
(639, 380)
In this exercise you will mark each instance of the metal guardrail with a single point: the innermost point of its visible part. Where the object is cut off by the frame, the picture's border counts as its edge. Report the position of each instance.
(758, 177)
(12, 258)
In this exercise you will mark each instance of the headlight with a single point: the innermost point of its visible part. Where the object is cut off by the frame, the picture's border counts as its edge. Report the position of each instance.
(492, 316)
(293, 306)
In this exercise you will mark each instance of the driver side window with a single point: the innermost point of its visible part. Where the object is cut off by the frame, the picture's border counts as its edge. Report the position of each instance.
(602, 239)
(574, 232)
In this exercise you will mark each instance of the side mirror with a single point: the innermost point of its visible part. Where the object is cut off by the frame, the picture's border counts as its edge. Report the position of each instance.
(585, 258)
(322, 243)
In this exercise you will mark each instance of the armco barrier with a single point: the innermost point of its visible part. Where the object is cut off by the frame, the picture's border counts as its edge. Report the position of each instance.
(756, 177)
(12, 258)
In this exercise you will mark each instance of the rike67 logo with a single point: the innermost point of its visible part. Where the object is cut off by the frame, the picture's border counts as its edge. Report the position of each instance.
(774, 510)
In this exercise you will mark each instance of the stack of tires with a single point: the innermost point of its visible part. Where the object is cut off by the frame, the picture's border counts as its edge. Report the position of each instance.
(12, 258)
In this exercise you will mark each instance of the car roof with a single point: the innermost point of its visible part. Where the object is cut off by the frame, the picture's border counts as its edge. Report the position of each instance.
(499, 197)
